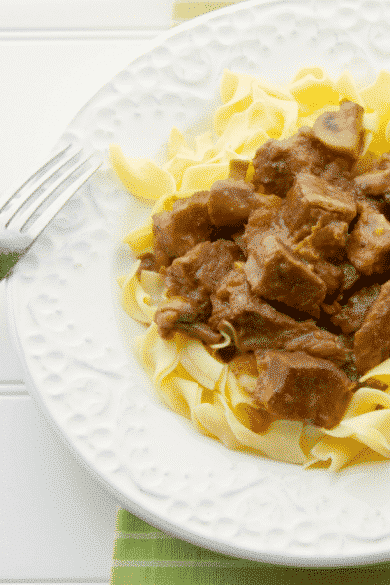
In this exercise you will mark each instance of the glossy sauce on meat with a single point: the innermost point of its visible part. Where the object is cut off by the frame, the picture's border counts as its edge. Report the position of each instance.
(294, 266)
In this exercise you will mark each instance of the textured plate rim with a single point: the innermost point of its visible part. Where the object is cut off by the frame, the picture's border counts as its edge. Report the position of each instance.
(172, 529)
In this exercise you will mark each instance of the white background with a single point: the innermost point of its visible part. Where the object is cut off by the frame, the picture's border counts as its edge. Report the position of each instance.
(56, 522)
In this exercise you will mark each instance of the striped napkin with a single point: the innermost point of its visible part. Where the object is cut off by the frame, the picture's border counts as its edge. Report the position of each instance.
(144, 555)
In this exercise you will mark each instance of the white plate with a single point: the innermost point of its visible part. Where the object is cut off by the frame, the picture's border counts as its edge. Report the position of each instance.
(73, 338)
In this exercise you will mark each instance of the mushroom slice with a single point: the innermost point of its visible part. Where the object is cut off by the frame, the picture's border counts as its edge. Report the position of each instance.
(343, 130)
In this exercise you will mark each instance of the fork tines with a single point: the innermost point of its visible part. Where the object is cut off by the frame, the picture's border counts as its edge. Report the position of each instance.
(32, 206)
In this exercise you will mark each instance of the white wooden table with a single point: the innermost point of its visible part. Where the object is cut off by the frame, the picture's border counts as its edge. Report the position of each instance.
(56, 522)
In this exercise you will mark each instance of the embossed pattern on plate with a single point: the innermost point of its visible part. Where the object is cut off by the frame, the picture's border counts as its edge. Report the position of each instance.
(76, 343)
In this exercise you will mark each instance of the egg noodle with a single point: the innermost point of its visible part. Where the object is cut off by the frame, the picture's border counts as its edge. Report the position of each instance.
(215, 396)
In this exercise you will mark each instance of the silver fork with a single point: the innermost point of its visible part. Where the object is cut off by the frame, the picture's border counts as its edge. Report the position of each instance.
(24, 213)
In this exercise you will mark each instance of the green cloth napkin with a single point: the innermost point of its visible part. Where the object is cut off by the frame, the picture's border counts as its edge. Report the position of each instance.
(7, 262)
(146, 556)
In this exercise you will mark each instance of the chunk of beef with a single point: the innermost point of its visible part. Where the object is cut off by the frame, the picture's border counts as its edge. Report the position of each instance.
(352, 315)
(351, 275)
(374, 183)
(232, 294)
(338, 172)
(264, 202)
(296, 386)
(256, 325)
(275, 273)
(181, 314)
(342, 131)
(262, 222)
(177, 231)
(327, 239)
(332, 308)
(369, 244)
(190, 280)
(238, 239)
(203, 267)
(372, 340)
(278, 161)
(311, 198)
(332, 275)
(319, 343)
(329, 236)
(230, 202)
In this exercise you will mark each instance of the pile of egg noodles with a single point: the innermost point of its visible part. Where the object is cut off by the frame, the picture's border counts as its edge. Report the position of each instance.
(214, 396)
